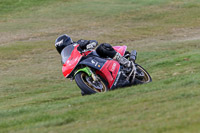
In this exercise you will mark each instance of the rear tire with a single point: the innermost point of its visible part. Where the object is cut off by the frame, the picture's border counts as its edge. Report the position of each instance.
(142, 75)
(85, 83)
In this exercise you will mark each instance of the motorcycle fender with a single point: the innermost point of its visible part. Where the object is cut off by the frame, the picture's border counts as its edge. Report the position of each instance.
(85, 69)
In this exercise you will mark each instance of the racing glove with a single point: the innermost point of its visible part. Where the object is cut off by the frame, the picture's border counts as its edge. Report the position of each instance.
(91, 45)
(87, 44)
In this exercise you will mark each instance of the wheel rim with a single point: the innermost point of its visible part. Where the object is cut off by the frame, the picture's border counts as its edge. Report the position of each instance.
(145, 75)
(98, 86)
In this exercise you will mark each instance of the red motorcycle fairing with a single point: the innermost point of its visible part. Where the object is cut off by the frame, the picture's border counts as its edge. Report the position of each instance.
(109, 72)
(72, 60)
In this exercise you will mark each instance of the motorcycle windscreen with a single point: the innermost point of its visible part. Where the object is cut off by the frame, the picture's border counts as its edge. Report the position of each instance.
(70, 58)
(66, 53)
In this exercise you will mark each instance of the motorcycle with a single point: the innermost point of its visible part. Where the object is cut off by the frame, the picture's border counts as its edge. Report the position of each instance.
(94, 74)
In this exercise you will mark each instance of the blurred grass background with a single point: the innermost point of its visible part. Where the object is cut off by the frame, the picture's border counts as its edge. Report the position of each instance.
(35, 97)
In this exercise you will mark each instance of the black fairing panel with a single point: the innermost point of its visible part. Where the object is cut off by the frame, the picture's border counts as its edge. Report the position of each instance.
(93, 61)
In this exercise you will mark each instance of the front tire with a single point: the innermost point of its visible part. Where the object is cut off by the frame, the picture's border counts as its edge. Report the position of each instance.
(88, 86)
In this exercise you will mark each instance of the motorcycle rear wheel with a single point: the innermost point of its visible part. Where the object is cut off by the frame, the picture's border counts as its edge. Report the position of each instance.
(88, 86)
(142, 75)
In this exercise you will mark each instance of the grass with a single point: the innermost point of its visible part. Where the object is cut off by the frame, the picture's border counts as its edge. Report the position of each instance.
(35, 97)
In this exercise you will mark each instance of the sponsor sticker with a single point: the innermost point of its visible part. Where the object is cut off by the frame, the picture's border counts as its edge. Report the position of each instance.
(113, 67)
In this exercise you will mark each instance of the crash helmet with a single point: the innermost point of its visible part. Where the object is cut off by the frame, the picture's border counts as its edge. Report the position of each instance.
(62, 41)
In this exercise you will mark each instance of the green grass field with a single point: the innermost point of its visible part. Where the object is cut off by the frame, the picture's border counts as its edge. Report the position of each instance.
(35, 97)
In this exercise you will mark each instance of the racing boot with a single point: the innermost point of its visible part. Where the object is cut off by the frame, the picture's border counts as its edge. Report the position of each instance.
(122, 60)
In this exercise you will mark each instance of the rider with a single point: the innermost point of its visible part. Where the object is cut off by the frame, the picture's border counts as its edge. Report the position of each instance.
(103, 50)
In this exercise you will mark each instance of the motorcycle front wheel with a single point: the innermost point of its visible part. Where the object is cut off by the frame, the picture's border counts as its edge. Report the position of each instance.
(88, 85)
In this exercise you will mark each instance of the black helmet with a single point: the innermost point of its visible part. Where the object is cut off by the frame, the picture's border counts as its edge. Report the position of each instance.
(62, 41)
